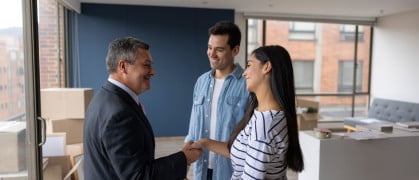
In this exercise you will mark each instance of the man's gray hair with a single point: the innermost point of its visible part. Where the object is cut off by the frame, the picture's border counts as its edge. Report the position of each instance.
(123, 48)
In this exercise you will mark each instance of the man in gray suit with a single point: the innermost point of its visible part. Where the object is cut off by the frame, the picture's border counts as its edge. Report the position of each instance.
(118, 139)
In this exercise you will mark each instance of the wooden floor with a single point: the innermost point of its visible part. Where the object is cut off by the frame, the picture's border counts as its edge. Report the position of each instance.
(169, 145)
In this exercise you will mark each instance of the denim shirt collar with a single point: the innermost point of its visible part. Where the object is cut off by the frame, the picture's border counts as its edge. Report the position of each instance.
(237, 72)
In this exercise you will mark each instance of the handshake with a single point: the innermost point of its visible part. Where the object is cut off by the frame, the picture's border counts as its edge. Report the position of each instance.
(193, 150)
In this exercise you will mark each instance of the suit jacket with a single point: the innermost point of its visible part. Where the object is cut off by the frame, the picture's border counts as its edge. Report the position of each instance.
(119, 141)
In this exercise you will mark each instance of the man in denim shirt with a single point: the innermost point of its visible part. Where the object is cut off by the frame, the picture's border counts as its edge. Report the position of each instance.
(219, 100)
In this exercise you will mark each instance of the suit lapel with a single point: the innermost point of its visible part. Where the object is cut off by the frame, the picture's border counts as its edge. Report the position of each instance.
(137, 109)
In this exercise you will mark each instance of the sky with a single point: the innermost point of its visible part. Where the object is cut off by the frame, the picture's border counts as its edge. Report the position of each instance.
(10, 13)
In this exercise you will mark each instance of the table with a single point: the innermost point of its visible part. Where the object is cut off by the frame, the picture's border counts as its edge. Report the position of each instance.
(340, 158)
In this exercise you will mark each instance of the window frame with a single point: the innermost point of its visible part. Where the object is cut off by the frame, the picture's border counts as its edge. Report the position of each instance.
(347, 33)
(296, 33)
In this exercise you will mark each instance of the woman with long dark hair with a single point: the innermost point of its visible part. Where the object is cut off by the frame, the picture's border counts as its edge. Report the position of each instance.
(265, 143)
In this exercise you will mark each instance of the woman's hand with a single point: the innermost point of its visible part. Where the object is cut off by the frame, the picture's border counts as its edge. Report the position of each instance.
(201, 144)
(212, 145)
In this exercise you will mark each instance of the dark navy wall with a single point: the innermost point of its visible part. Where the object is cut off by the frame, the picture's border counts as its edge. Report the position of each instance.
(178, 38)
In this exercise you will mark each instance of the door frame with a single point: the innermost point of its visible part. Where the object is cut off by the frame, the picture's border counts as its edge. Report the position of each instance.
(34, 127)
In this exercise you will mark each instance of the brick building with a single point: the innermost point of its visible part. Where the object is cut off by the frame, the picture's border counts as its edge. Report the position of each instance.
(12, 80)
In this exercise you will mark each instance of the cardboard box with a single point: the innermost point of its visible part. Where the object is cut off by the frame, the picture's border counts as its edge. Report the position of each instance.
(53, 172)
(307, 103)
(72, 127)
(74, 149)
(23, 175)
(57, 167)
(65, 102)
(13, 146)
(307, 121)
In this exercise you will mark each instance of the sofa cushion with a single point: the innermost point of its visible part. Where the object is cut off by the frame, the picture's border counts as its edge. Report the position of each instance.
(393, 111)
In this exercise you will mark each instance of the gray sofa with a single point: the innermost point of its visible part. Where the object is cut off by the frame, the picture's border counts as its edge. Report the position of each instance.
(385, 111)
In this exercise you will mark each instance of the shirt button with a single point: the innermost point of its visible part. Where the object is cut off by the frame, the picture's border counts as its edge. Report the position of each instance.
(206, 130)
(208, 100)
(205, 160)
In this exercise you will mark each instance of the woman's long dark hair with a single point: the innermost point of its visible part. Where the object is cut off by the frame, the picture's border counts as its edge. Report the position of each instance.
(282, 84)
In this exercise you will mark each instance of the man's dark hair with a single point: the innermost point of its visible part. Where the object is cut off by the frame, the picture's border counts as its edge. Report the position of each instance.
(227, 28)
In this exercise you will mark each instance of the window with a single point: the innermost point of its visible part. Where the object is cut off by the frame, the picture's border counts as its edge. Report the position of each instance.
(13, 55)
(303, 75)
(302, 31)
(347, 33)
(20, 71)
(17, 51)
(254, 39)
(320, 73)
(346, 69)
(9, 73)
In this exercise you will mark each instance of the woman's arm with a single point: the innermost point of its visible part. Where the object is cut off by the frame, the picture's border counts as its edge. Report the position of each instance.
(213, 145)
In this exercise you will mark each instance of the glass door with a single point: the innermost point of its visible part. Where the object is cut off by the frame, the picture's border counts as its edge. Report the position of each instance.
(20, 136)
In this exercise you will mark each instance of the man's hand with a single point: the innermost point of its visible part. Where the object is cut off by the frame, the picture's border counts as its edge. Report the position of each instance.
(192, 153)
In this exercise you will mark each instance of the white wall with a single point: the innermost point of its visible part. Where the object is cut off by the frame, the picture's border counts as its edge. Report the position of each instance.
(395, 58)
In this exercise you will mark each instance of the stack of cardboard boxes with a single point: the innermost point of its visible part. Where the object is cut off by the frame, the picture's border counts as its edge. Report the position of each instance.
(13, 150)
(64, 110)
(307, 113)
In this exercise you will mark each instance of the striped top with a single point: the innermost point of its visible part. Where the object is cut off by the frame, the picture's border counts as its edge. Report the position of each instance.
(259, 150)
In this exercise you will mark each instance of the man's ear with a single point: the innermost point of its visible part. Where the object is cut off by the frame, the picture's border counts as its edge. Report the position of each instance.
(122, 66)
(236, 50)
(267, 67)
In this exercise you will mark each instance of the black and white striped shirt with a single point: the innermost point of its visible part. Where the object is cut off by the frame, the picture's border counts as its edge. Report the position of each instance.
(259, 150)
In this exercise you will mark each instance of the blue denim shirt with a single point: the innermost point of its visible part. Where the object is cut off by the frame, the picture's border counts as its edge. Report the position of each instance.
(232, 102)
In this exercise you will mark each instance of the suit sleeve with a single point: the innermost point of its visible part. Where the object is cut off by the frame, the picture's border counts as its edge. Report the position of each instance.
(129, 145)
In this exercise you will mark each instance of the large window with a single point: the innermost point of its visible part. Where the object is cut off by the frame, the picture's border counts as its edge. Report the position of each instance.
(318, 50)
(346, 76)
(304, 71)
(11, 61)
(25, 67)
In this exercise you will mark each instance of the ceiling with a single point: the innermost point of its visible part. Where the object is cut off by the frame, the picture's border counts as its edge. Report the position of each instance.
(341, 8)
